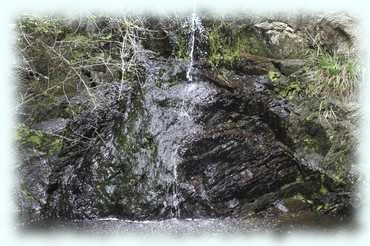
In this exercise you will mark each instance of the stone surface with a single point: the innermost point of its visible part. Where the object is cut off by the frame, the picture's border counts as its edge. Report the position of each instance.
(253, 65)
(52, 126)
(335, 33)
(289, 66)
(281, 40)
(227, 144)
(187, 149)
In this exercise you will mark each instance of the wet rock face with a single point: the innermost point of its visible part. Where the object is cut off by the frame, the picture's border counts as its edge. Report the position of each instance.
(124, 160)
(112, 170)
(222, 145)
(34, 174)
(167, 148)
(236, 159)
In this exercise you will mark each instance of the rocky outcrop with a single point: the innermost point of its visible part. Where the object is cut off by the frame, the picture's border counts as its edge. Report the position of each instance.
(281, 40)
(196, 149)
(230, 143)
(335, 33)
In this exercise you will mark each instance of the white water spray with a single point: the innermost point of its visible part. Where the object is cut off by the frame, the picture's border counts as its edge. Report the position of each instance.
(195, 25)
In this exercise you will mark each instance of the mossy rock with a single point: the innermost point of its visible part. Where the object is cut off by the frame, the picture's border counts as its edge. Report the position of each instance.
(227, 42)
(39, 140)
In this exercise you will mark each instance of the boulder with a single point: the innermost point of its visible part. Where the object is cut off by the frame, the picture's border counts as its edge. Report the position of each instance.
(281, 40)
(289, 66)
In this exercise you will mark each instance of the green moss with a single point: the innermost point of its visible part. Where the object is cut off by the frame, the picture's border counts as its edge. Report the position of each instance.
(292, 90)
(339, 158)
(127, 143)
(273, 75)
(41, 26)
(323, 190)
(56, 145)
(221, 50)
(27, 137)
(227, 43)
(130, 138)
(181, 48)
(311, 144)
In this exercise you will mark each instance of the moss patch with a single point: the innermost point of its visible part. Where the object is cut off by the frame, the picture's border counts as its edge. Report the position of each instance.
(227, 42)
(27, 137)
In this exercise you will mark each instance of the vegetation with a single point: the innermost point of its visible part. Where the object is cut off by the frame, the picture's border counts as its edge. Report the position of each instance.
(62, 58)
(39, 140)
(337, 75)
(227, 44)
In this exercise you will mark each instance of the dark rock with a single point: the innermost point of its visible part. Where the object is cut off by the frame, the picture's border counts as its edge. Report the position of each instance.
(188, 149)
(31, 193)
(253, 65)
(289, 66)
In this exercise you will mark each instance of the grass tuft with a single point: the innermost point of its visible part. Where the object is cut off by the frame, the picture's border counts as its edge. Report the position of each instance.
(336, 75)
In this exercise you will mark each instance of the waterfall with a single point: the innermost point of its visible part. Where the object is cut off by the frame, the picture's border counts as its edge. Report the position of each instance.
(195, 25)
(183, 113)
(175, 198)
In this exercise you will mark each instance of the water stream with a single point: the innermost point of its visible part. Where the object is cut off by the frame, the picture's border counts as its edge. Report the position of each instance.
(184, 115)
(195, 26)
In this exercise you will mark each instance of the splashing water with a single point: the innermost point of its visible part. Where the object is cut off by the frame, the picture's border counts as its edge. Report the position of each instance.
(195, 25)
(183, 115)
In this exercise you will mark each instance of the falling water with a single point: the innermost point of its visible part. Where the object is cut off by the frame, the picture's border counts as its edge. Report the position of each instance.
(183, 116)
(183, 113)
(195, 25)
(175, 193)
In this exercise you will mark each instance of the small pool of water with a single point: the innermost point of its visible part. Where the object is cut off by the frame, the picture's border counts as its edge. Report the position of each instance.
(169, 226)
(205, 226)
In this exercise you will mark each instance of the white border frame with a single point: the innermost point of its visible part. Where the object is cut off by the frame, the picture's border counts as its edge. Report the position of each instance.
(10, 9)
